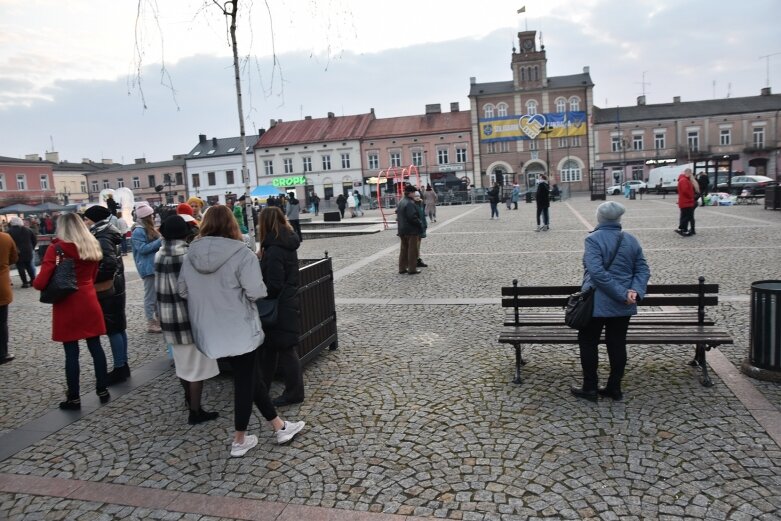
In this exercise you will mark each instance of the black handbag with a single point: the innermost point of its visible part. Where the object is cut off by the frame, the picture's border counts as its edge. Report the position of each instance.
(580, 306)
(268, 309)
(63, 280)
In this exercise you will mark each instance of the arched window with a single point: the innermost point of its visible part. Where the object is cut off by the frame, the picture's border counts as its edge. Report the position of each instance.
(501, 109)
(531, 107)
(488, 110)
(571, 172)
(561, 105)
(574, 104)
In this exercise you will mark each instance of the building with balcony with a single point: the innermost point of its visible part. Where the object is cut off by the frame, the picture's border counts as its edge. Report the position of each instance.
(629, 141)
(28, 181)
(161, 182)
(532, 124)
(214, 168)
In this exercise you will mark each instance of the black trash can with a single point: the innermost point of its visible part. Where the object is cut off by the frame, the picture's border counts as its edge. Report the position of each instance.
(528, 197)
(632, 194)
(764, 357)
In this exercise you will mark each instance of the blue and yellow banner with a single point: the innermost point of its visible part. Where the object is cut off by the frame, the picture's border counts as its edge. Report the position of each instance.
(532, 126)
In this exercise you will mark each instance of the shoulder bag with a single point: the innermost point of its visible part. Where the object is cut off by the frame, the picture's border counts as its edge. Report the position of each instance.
(63, 280)
(580, 306)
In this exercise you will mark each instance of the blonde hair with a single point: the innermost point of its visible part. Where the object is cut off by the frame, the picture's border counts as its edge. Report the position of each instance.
(272, 220)
(71, 228)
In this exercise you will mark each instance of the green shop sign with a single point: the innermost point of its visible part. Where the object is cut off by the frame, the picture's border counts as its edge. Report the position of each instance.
(289, 181)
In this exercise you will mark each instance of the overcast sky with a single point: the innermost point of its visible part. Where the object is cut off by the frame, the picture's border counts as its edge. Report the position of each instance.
(68, 84)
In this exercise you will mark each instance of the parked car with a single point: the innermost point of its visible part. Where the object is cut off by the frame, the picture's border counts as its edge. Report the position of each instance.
(637, 185)
(755, 183)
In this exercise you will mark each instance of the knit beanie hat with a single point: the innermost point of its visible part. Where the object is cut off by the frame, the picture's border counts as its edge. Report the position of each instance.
(610, 212)
(144, 210)
(174, 227)
(184, 208)
(97, 213)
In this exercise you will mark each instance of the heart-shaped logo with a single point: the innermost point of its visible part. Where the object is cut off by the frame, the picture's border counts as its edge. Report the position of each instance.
(532, 125)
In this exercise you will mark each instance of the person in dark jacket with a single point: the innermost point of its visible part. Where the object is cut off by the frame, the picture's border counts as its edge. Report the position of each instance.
(409, 229)
(25, 243)
(542, 196)
(112, 204)
(493, 200)
(110, 288)
(341, 203)
(279, 265)
(702, 182)
(617, 290)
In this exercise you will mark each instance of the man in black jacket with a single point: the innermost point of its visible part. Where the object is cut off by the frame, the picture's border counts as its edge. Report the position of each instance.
(25, 242)
(409, 229)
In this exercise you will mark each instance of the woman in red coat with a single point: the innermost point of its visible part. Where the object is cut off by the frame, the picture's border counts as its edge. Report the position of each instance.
(78, 315)
(688, 192)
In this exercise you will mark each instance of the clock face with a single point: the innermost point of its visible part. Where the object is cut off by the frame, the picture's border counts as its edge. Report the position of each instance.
(528, 44)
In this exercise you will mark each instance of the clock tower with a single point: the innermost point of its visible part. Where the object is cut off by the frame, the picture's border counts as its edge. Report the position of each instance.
(528, 63)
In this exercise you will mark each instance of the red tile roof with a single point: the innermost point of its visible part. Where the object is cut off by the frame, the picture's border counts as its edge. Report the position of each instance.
(421, 124)
(337, 128)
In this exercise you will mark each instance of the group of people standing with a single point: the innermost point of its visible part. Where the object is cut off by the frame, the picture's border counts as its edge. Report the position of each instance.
(542, 197)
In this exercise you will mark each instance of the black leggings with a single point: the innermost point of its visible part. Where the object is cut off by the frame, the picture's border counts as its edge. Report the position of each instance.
(248, 387)
(615, 338)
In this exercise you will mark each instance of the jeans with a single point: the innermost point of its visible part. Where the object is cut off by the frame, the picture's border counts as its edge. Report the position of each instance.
(615, 338)
(150, 297)
(25, 268)
(3, 331)
(542, 212)
(494, 210)
(72, 365)
(118, 342)
(123, 245)
(247, 388)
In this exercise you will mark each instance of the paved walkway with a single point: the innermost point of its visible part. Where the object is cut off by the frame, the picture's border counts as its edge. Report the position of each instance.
(414, 414)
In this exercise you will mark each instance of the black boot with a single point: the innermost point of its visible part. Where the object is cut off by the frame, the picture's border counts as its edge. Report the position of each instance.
(119, 374)
(201, 416)
(103, 395)
(422, 264)
(72, 403)
(580, 392)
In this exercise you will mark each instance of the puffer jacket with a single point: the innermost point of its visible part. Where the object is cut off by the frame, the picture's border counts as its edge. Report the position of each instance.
(685, 192)
(628, 271)
(221, 280)
(279, 266)
(144, 251)
(111, 267)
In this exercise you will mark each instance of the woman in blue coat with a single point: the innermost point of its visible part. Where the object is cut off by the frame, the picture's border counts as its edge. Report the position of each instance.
(145, 240)
(617, 291)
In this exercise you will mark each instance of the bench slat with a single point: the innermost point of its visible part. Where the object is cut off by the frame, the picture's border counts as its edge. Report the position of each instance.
(560, 302)
(638, 336)
(653, 289)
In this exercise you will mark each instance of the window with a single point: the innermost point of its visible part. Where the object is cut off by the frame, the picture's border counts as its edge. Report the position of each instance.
(374, 161)
(395, 158)
(693, 139)
(571, 172)
(489, 148)
(21, 182)
(637, 172)
(531, 107)
(561, 105)
(563, 142)
(287, 163)
(94, 186)
(759, 137)
(229, 177)
(326, 162)
(82, 186)
(574, 141)
(503, 146)
(501, 110)
(574, 104)
(725, 136)
(179, 178)
(417, 158)
(307, 164)
(106, 184)
(637, 142)
(658, 141)
(345, 160)
(44, 182)
(488, 110)
(615, 143)
(211, 178)
(196, 180)
(120, 182)
(268, 167)
(442, 156)
(151, 180)
(461, 155)
(534, 145)
(2, 183)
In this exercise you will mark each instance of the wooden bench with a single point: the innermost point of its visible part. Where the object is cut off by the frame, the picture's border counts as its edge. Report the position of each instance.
(535, 315)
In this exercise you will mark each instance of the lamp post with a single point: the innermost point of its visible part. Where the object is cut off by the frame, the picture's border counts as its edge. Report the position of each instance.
(547, 130)
(425, 165)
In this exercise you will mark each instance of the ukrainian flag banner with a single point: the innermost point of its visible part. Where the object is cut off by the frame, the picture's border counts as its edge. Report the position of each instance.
(533, 126)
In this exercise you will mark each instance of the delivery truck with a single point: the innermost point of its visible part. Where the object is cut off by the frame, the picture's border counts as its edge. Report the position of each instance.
(664, 179)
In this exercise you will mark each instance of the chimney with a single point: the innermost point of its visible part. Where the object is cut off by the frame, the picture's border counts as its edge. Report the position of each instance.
(32, 157)
(433, 108)
(54, 157)
(454, 106)
(261, 131)
(676, 99)
(330, 114)
(107, 161)
(214, 142)
(472, 80)
(86, 161)
(272, 123)
(140, 160)
(371, 111)
(307, 117)
(586, 69)
(641, 100)
(201, 138)
(765, 91)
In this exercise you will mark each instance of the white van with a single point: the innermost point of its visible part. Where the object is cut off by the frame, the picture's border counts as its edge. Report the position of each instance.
(665, 178)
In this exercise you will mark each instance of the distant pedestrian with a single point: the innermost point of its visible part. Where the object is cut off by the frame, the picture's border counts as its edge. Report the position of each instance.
(123, 228)
(702, 182)
(687, 201)
(422, 235)
(145, 240)
(8, 256)
(197, 204)
(293, 211)
(493, 200)
(542, 197)
(111, 204)
(25, 241)
(316, 203)
(341, 203)
(77, 316)
(409, 228)
(430, 199)
(515, 196)
(358, 202)
(351, 204)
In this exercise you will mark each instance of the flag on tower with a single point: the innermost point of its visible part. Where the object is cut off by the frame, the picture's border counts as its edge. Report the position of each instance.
(522, 10)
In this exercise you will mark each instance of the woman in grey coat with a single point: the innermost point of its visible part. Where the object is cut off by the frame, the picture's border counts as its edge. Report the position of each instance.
(617, 291)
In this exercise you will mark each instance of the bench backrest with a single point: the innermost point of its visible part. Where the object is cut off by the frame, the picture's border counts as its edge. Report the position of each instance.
(699, 295)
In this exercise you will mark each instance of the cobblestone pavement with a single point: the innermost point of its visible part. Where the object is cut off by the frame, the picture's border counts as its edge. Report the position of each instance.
(415, 414)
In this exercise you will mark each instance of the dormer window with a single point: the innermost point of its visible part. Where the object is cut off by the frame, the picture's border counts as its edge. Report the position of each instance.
(197, 153)
(210, 152)
(231, 149)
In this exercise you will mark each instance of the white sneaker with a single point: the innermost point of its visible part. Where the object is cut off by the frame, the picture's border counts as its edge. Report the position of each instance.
(288, 432)
(240, 449)
(538, 229)
(545, 228)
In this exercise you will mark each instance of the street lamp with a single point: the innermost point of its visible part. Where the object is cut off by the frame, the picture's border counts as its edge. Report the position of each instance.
(166, 182)
(547, 130)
